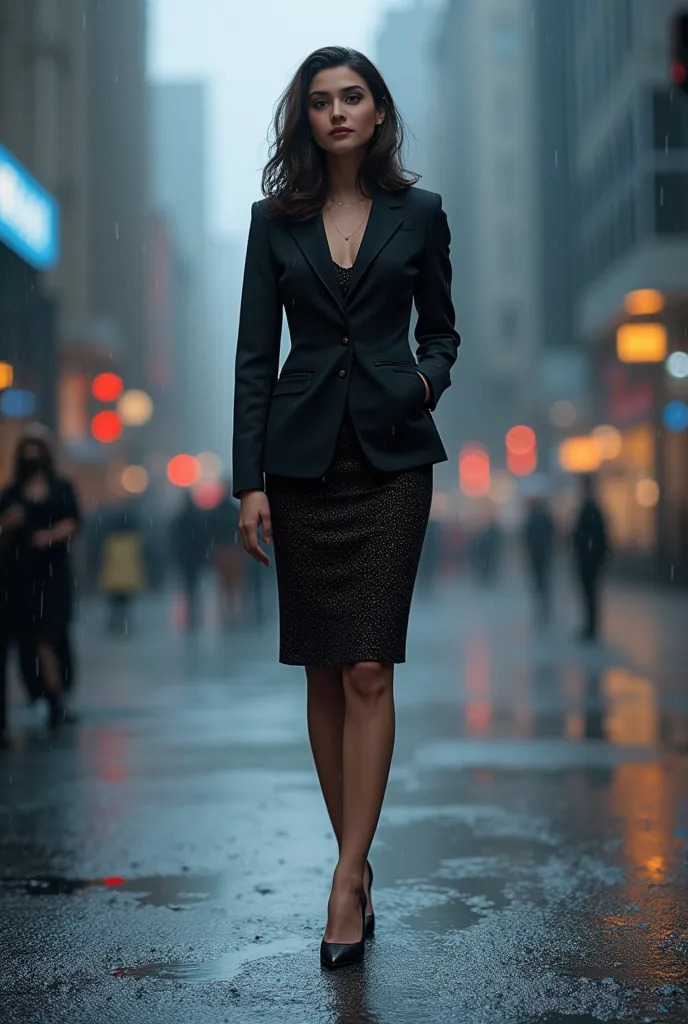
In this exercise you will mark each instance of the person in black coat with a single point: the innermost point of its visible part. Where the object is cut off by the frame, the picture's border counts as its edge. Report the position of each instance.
(190, 543)
(39, 515)
(590, 552)
(333, 455)
(538, 539)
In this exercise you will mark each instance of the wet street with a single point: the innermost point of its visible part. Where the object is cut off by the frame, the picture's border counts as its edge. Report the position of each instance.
(169, 857)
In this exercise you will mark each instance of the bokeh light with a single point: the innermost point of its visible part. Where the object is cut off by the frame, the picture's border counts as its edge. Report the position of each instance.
(6, 375)
(647, 493)
(580, 455)
(135, 407)
(676, 416)
(16, 403)
(641, 343)
(609, 441)
(106, 426)
(502, 488)
(474, 471)
(183, 470)
(207, 494)
(644, 302)
(211, 466)
(563, 414)
(520, 440)
(677, 365)
(107, 387)
(135, 479)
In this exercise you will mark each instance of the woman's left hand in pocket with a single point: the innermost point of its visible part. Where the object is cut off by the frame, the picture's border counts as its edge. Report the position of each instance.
(427, 387)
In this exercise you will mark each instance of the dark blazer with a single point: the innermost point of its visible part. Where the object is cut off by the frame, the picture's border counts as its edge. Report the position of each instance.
(353, 347)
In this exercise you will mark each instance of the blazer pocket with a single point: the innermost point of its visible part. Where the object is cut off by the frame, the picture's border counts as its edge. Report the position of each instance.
(396, 362)
(292, 382)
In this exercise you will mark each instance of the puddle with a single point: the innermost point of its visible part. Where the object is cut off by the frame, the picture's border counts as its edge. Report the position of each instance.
(171, 891)
(222, 969)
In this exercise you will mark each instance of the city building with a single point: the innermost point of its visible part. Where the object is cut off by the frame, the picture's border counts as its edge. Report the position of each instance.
(179, 180)
(631, 172)
(403, 53)
(483, 132)
(73, 113)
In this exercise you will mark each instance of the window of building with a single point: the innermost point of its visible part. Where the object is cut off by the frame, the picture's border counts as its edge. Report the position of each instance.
(671, 203)
(669, 120)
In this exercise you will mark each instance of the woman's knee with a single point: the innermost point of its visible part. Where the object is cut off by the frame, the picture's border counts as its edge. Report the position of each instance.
(368, 681)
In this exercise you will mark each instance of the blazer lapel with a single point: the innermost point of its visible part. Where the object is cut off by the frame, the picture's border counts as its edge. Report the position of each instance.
(311, 239)
(386, 214)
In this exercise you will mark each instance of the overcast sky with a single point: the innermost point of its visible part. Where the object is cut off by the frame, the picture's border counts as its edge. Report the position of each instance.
(247, 50)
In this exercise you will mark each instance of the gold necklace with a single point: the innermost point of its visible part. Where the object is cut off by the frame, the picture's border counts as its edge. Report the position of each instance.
(347, 237)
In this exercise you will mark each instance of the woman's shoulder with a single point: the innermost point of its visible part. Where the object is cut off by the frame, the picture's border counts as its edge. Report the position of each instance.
(422, 199)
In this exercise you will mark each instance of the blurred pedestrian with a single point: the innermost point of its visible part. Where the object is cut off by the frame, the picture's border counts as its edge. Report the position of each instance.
(538, 540)
(39, 515)
(190, 537)
(486, 551)
(590, 542)
(122, 572)
(227, 556)
(333, 457)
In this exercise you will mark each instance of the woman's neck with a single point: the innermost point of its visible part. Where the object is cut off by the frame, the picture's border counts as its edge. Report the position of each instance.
(343, 178)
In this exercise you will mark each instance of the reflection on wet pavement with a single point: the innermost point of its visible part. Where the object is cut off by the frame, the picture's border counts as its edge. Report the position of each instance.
(531, 862)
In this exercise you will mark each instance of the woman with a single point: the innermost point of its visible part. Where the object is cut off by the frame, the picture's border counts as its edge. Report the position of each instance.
(38, 517)
(333, 457)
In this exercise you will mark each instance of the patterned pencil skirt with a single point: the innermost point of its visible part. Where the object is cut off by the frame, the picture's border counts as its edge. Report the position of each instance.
(347, 549)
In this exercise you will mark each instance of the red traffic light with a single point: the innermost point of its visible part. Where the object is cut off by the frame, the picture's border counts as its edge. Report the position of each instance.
(679, 72)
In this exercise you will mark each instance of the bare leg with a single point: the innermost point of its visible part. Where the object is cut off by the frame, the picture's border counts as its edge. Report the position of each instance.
(325, 704)
(369, 728)
(326, 712)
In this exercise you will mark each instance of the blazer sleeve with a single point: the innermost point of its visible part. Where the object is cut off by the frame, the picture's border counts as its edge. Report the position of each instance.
(438, 341)
(257, 357)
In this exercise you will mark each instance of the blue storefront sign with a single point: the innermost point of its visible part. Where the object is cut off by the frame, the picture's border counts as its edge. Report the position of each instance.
(29, 216)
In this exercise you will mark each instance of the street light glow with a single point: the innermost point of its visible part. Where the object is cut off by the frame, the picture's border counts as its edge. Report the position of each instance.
(580, 455)
(6, 376)
(677, 365)
(641, 343)
(644, 302)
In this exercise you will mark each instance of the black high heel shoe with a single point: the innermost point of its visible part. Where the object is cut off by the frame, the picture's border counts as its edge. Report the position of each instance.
(341, 954)
(370, 918)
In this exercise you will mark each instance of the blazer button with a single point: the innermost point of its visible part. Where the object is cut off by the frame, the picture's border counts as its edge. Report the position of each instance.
(345, 341)
(342, 373)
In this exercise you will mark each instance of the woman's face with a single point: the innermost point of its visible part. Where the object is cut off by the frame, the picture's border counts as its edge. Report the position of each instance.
(341, 110)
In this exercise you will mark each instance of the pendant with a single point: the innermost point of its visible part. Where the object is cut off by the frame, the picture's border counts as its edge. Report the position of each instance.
(347, 237)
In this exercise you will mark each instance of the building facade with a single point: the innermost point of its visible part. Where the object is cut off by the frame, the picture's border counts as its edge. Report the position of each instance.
(482, 144)
(73, 111)
(631, 169)
(179, 180)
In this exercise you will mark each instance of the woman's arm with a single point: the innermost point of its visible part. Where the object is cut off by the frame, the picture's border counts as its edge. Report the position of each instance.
(257, 357)
(438, 341)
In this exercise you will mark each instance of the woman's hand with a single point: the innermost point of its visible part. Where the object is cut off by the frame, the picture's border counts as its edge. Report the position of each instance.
(255, 509)
(427, 387)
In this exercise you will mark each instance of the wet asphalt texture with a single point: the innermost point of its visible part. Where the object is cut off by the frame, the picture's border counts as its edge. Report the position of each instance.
(169, 857)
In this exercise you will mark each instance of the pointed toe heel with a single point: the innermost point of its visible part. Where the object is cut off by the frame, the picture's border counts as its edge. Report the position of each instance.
(342, 954)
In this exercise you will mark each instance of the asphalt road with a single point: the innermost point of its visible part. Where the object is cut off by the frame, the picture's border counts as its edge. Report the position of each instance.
(169, 857)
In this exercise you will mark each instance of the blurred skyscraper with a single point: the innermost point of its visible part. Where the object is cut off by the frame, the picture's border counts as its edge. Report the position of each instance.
(631, 169)
(73, 111)
(403, 53)
(179, 179)
(483, 161)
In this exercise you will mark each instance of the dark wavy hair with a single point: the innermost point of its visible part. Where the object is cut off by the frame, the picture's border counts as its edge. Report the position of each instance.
(295, 176)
